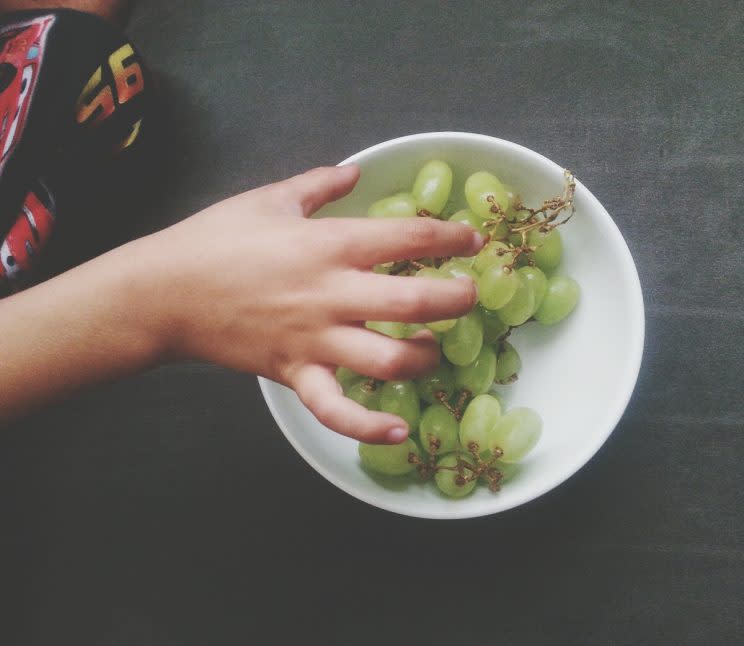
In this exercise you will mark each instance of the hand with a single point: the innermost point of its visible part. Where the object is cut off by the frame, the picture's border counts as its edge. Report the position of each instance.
(252, 285)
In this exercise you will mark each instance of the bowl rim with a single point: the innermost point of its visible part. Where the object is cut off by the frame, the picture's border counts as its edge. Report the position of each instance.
(628, 381)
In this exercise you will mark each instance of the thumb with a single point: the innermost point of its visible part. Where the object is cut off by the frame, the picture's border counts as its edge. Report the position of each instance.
(321, 185)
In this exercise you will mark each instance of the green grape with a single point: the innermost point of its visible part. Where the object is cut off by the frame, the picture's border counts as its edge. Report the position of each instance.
(439, 380)
(516, 434)
(537, 280)
(384, 268)
(494, 392)
(400, 398)
(365, 392)
(549, 250)
(432, 186)
(515, 239)
(496, 286)
(463, 342)
(449, 209)
(493, 327)
(457, 268)
(451, 483)
(346, 377)
(521, 306)
(388, 328)
(494, 253)
(478, 376)
(519, 216)
(437, 423)
(430, 272)
(389, 459)
(507, 469)
(446, 324)
(412, 328)
(479, 421)
(401, 205)
(561, 297)
(508, 364)
(511, 213)
(466, 216)
(465, 260)
(497, 396)
(481, 191)
(499, 232)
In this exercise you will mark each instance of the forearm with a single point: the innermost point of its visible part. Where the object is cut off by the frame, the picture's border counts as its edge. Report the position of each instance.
(94, 323)
(250, 285)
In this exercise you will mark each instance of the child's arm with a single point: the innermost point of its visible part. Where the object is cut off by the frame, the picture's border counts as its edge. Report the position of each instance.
(252, 285)
(94, 323)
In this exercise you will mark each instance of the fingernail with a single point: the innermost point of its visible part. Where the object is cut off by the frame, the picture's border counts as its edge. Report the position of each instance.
(396, 435)
(465, 279)
(478, 242)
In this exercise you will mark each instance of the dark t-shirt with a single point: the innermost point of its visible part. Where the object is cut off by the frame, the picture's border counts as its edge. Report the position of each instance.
(74, 104)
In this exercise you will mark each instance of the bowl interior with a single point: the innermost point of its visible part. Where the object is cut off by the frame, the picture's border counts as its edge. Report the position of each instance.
(578, 375)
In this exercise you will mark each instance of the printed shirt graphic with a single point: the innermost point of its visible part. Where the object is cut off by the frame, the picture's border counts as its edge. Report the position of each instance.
(28, 235)
(22, 48)
(21, 55)
(90, 109)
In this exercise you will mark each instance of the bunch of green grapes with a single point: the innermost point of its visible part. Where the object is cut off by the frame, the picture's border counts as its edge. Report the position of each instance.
(460, 434)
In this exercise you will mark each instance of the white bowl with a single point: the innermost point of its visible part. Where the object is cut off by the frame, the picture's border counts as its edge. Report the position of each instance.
(579, 374)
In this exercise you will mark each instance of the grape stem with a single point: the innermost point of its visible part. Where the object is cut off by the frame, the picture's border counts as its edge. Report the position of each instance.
(458, 409)
(442, 398)
(495, 207)
(434, 444)
(543, 219)
(480, 469)
(554, 204)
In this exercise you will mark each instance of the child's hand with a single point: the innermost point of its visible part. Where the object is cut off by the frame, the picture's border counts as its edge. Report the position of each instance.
(250, 284)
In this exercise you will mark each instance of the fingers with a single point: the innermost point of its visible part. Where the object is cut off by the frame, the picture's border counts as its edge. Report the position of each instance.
(318, 389)
(376, 355)
(368, 242)
(320, 185)
(364, 296)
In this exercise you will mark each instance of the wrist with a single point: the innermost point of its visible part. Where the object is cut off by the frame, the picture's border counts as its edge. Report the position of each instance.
(97, 322)
(143, 294)
(157, 288)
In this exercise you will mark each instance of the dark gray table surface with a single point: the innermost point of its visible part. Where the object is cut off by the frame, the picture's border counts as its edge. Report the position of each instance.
(169, 509)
